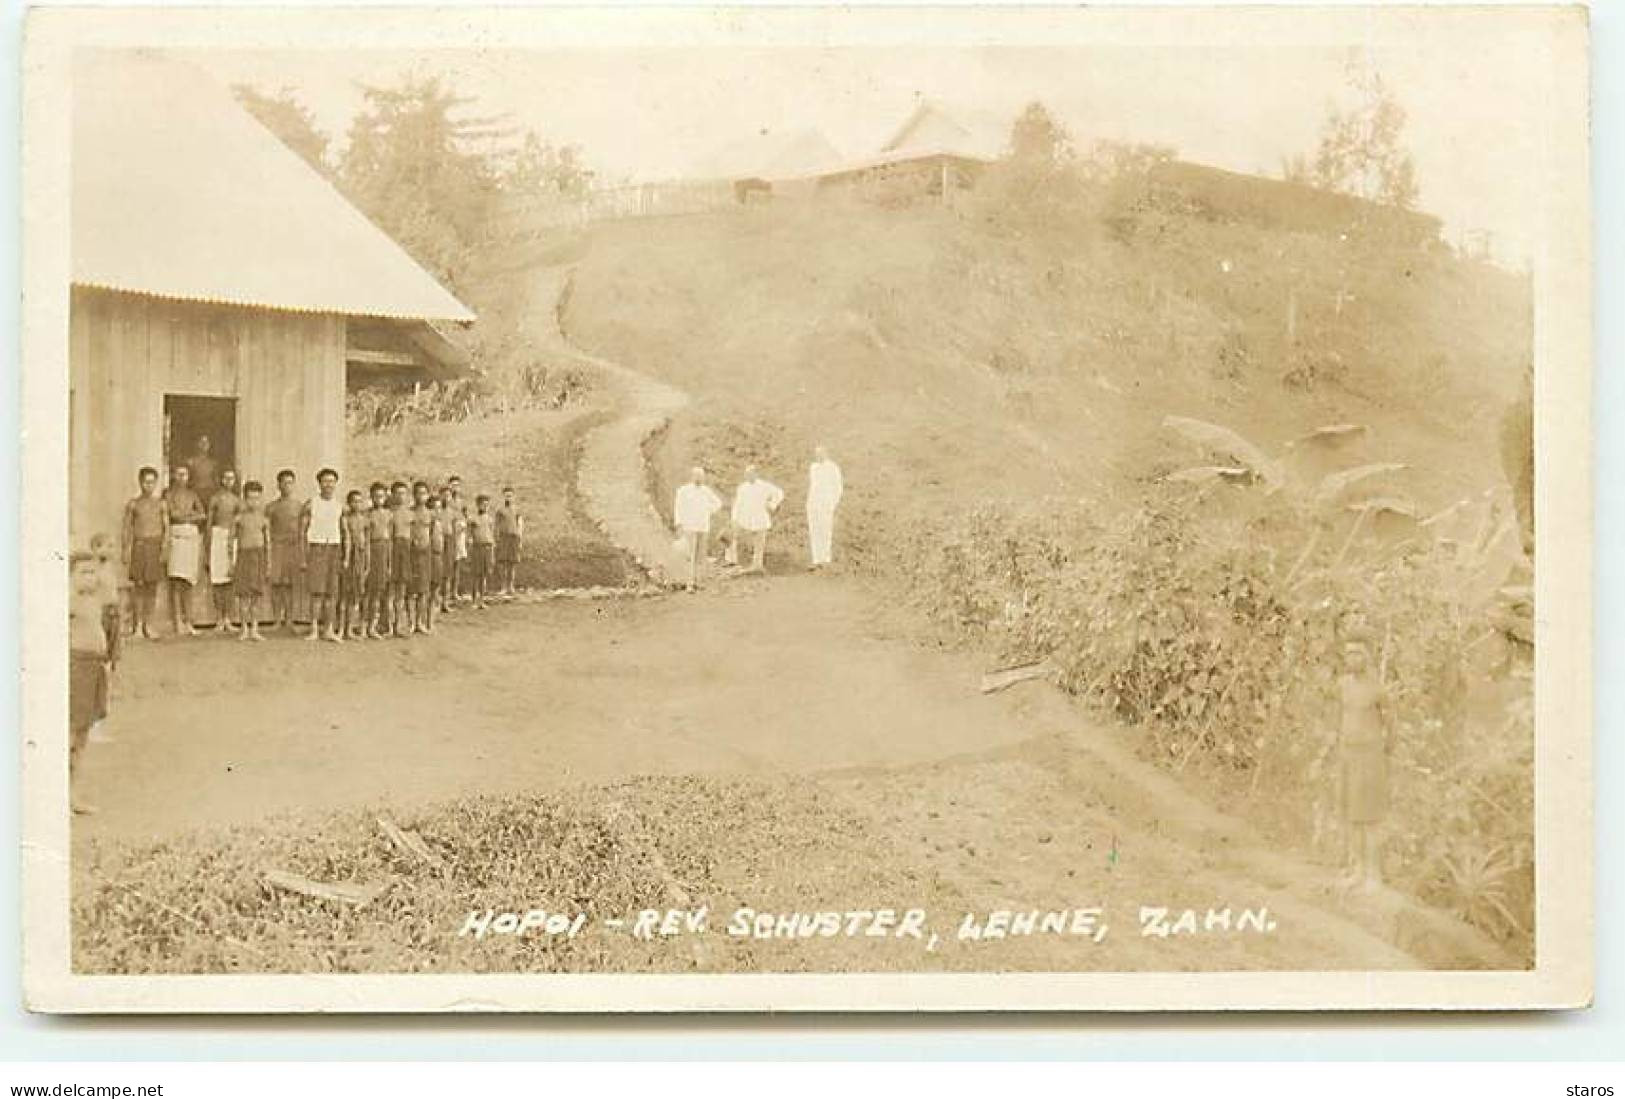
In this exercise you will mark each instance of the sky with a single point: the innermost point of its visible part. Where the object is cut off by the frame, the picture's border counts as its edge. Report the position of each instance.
(641, 113)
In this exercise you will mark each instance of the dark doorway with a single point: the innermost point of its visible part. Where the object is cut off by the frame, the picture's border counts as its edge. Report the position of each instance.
(187, 419)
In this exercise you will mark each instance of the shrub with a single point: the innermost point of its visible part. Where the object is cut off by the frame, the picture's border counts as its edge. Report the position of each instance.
(1214, 628)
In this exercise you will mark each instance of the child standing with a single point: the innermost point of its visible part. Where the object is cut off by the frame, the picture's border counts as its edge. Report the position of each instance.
(482, 544)
(419, 574)
(223, 508)
(322, 523)
(510, 532)
(400, 550)
(448, 553)
(1364, 738)
(250, 541)
(87, 663)
(144, 543)
(186, 518)
(353, 580)
(286, 555)
(436, 594)
(379, 567)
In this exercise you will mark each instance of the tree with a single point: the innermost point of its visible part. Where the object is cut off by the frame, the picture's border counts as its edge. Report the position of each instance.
(290, 120)
(1359, 151)
(413, 165)
(1038, 142)
(538, 168)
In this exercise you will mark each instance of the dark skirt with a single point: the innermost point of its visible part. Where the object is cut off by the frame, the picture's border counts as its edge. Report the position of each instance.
(507, 549)
(1365, 782)
(480, 558)
(322, 568)
(379, 567)
(147, 561)
(284, 563)
(422, 570)
(250, 572)
(401, 554)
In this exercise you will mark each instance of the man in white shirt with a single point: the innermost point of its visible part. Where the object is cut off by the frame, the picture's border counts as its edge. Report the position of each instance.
(691, 512)
(824, 488)
(755, 501)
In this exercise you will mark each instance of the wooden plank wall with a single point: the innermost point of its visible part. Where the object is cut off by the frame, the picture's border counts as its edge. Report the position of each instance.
(127, 351)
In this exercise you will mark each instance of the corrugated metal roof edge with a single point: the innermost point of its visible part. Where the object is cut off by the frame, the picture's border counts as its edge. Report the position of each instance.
(203, 299)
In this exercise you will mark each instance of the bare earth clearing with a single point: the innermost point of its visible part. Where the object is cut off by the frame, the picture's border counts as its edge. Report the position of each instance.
(888, 780)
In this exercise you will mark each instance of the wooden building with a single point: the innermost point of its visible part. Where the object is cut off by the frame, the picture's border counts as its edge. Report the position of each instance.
(936, 154)
(217, 283)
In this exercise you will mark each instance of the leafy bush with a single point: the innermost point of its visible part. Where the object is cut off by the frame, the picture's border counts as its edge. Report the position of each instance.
(1212, 621)
(532, 385)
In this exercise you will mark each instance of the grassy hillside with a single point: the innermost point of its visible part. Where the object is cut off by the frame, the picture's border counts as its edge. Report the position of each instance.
(946, 358)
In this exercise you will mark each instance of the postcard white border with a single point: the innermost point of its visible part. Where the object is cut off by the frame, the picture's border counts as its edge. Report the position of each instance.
(1562, 278)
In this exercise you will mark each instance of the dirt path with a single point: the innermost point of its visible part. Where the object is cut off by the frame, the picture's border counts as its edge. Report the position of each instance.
(611, 479)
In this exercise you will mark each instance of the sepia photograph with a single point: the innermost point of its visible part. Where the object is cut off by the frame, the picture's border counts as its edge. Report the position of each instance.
(1038, 501)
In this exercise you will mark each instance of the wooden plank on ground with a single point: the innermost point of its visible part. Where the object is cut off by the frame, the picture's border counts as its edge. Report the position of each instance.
(1009, 677)
(410, 843)
(339, 892)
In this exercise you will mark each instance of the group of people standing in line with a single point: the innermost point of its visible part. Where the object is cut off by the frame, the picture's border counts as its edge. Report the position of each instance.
(751, 518)
(376, 563)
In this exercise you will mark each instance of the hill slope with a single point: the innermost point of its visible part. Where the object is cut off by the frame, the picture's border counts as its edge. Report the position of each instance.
(945, 359)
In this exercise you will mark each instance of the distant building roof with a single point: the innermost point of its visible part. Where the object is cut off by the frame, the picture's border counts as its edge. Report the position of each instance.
(179, 192)
(934, 129)
(772, 154)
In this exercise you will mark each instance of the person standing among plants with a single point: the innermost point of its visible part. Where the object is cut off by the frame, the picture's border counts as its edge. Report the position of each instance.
(1363, 741)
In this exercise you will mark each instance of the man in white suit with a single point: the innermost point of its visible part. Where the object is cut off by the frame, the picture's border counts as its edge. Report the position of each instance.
(755, 501)
(696, 502)
(824, 488)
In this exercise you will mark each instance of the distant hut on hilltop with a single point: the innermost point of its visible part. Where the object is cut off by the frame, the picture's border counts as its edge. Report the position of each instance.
(935, 153)
(220, 287)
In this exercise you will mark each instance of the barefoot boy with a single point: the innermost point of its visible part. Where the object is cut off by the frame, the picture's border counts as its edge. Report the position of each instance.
(321, 522)
(482, 543)
(186, 518)
(510, 531)
(400, 552)
(353, 579)
(223, 508)
(250, 539)
(379, 568)
(420, 527)
(144, 543)
(437, 562)
(286, 555)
